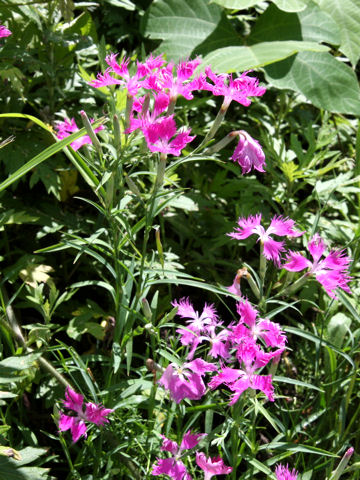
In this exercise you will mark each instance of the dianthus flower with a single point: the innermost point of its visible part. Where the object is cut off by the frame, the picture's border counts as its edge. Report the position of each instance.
(248, 153)
(158, 136)
(173, 466)
(196, 323)
(76, 424)
(67, 127)
(283, 473)
(186, 381)
(332, 271)
(251, 357)
(252, 326)
(4, 32)
(278, 226)
(211, 466)
(238, 89)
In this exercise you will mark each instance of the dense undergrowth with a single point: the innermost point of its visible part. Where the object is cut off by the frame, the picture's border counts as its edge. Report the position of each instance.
(190, 266)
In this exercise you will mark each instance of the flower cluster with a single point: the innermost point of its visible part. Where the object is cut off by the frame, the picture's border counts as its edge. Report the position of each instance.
(250, 345)
(152, 89)
(174, 467)
(76, 423)
(331, 272)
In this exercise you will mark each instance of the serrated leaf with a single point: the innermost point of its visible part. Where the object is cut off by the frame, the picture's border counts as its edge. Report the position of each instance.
(187, 27)
(346, 14)
(326, 82)
(233, 59)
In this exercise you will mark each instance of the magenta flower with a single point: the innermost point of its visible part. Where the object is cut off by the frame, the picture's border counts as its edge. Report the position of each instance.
(278, 226)
(211, 466)
(332, 271)
(186, 381)
(251, 357)
(283, 473)
(76, 424)
(238, 89)
(252, 326)
(158, 136)
(4, 32)
(67, 127)
(173, 466)
(249, 153)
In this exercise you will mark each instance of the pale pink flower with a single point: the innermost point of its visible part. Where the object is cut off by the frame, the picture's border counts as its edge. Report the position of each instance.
(186, 381)
(173, 466)
(67, 127)
(332, 271)
(211, 466)
(248, 153)
(76, 424)
(238, 89)
(279, 226)
(4, 32)
(283, 473)
(162, 136)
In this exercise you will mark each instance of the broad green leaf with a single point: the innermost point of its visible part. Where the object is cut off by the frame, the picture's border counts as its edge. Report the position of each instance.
(233, 59)
(312, 25)
(346, 14)
(187, 27)
(236, 4)
(328, 83)
(286, 5)
(291, 5)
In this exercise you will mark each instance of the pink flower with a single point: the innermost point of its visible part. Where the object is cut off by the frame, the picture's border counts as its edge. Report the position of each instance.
(158, 136)
(67, 127)
(76, 424)
(283, 473)
(211, 466)
(196, 323)
(252, 358)
(186, 381)
(4, 32)
(249, 153)
(173, 466)
(256, 327)
(238, 89)
(104, 80)
(332, 271)
(279, 226)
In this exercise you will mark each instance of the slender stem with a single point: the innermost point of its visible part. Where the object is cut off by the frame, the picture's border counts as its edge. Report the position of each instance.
(295, 286)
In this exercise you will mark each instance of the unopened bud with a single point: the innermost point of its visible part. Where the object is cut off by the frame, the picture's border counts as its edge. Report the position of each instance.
(146, 309)
(342, 465)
